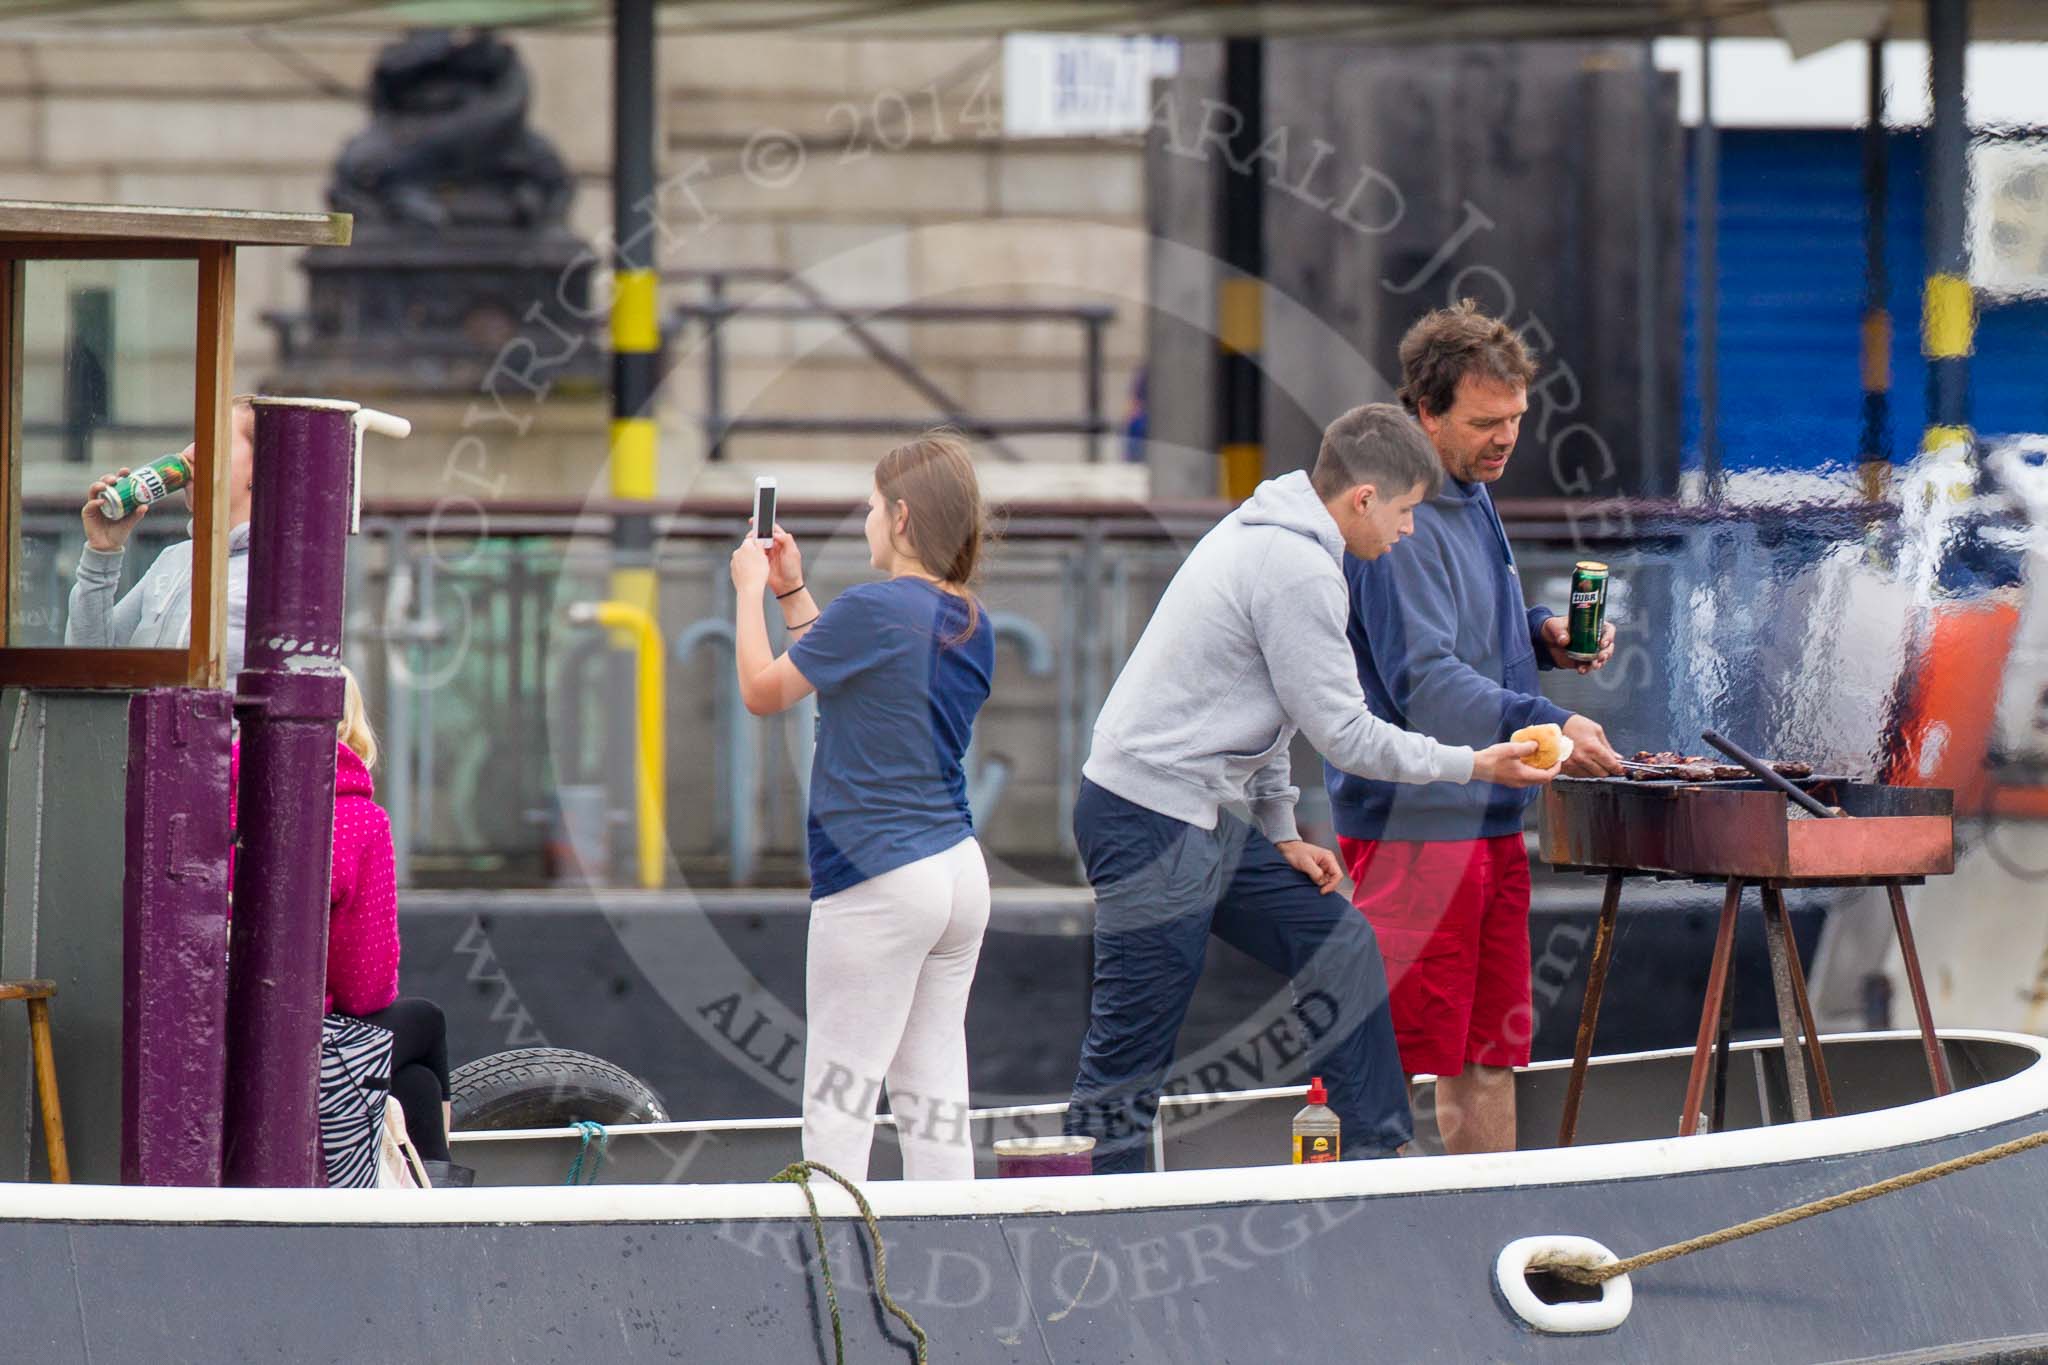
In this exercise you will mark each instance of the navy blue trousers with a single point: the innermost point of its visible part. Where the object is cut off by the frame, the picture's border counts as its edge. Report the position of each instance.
(1162, 887)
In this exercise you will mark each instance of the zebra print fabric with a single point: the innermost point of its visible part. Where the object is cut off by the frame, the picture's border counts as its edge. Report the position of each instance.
(355, 1078)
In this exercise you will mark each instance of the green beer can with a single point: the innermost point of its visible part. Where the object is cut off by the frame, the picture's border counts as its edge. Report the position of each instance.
(1589, 611)
(154, 481)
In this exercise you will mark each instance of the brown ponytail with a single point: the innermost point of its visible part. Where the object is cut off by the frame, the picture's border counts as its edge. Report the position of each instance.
(933, 476)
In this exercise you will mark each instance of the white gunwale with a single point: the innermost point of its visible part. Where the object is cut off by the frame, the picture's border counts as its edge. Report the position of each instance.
(2019, 1096)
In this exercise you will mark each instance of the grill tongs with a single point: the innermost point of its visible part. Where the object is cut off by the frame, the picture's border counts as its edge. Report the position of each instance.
(1769, 776)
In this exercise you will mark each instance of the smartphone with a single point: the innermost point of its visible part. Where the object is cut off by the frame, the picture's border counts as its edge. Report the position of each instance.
(764, 508)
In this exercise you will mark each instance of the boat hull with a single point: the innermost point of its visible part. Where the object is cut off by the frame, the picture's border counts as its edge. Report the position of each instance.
(1390, 1260)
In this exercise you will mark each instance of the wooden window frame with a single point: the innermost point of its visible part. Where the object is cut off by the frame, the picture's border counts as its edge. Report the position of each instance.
(201, 663)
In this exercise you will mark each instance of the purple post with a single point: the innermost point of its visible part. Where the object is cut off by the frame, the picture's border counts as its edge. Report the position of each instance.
(289, 703)
(174, 938)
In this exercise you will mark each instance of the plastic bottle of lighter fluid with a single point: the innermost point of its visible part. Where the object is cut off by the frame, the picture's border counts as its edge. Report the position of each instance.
(1318, 1133)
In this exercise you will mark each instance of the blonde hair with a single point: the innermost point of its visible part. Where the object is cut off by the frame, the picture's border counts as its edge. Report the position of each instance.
(354, 729)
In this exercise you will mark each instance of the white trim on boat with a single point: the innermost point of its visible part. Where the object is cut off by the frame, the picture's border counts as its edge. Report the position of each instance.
(2017, 1097)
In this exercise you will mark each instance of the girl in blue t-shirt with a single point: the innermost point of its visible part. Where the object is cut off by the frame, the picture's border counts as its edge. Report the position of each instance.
(899, 890)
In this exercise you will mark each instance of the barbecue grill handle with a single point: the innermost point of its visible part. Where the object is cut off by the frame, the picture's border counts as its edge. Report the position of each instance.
(1771, 777)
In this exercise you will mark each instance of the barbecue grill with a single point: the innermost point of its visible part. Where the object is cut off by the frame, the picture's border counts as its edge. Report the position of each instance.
(1741, 833)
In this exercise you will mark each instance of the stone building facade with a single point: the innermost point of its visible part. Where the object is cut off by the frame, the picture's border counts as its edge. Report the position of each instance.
(876, 168)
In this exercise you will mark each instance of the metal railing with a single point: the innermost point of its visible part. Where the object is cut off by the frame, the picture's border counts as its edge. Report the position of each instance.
(509, 756)
(717, 307)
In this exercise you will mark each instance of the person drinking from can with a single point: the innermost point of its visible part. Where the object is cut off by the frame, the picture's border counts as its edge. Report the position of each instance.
(157, 612)
(899, 889)
(1445, 646)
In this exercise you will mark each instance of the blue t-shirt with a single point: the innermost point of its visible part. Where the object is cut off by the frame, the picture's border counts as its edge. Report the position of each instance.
(897, 697)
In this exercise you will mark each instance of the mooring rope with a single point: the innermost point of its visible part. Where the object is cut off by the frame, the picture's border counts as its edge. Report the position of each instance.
(798, 1173)
(1594, 1275)
(604, 1141)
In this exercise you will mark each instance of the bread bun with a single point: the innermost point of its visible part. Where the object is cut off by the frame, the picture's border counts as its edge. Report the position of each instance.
(1552, 748)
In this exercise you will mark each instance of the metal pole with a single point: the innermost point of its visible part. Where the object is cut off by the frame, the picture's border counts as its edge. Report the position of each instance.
(1876, 444)
(289, 702)
(636, 347)
(636, 322)
(399, 697)
(1240, 290)
(425, 782)
(1709, 212)
(714, 368)
(1948, 310)
(649, 696)
(1648, 429)
(1091, 378)
(622, 778)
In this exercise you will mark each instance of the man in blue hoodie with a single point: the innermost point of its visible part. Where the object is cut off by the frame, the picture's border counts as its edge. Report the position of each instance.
(1246, 647)
(1446, 647)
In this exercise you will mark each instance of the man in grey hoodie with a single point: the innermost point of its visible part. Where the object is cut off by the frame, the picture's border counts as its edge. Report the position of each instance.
(1246, 647)
(157, 612)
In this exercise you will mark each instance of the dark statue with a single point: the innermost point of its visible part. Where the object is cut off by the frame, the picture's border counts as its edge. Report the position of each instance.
(448, 143)
(462, 252)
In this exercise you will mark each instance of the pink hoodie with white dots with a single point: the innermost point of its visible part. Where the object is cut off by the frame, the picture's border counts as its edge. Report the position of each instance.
(362, 901)
(362, 922)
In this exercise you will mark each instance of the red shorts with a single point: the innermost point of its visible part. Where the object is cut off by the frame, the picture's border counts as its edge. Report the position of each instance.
(1452, 919)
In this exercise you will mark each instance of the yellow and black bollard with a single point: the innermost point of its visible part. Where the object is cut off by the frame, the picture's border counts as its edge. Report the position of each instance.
(1948, 317)
(1240, 282)
(633, 614)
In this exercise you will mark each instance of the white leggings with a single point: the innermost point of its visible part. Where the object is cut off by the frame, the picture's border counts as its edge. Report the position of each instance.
(885, 983)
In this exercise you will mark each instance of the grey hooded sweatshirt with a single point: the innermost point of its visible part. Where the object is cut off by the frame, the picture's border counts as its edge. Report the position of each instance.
(1247, 647)
(157, 612)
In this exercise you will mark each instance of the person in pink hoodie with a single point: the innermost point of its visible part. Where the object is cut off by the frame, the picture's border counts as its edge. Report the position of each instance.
(362, 941)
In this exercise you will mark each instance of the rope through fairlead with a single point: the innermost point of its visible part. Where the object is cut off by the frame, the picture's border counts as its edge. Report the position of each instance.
(1596, 1275)
(798, 1173)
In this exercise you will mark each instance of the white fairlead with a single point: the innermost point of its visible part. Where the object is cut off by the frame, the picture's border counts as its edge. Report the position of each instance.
(384, 424)
(1527, 1253)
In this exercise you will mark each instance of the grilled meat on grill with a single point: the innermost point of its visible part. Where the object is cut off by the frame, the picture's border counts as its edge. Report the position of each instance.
(1668, 772)
(1668, 765)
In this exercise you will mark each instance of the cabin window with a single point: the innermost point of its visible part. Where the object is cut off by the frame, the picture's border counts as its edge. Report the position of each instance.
(109, 354)
(113, 354)
(117, 348)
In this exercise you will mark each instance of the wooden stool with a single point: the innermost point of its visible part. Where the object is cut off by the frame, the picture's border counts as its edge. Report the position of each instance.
(37, 994)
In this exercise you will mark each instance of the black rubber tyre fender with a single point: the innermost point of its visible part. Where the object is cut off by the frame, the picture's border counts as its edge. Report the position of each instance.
(548, 1087)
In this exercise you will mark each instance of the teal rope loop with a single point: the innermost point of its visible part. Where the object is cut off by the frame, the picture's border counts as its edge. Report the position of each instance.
(589, 1130)
(798, 1173)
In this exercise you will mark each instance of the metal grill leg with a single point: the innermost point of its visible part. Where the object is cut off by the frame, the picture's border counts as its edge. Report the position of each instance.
(1814, 1054)
(1589, 1011)
(1723, 1033)
(1710, 1010)
(1937, 1063)
(1788, 1007)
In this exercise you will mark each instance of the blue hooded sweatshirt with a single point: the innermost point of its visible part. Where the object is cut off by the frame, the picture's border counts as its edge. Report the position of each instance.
(1445, 646)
